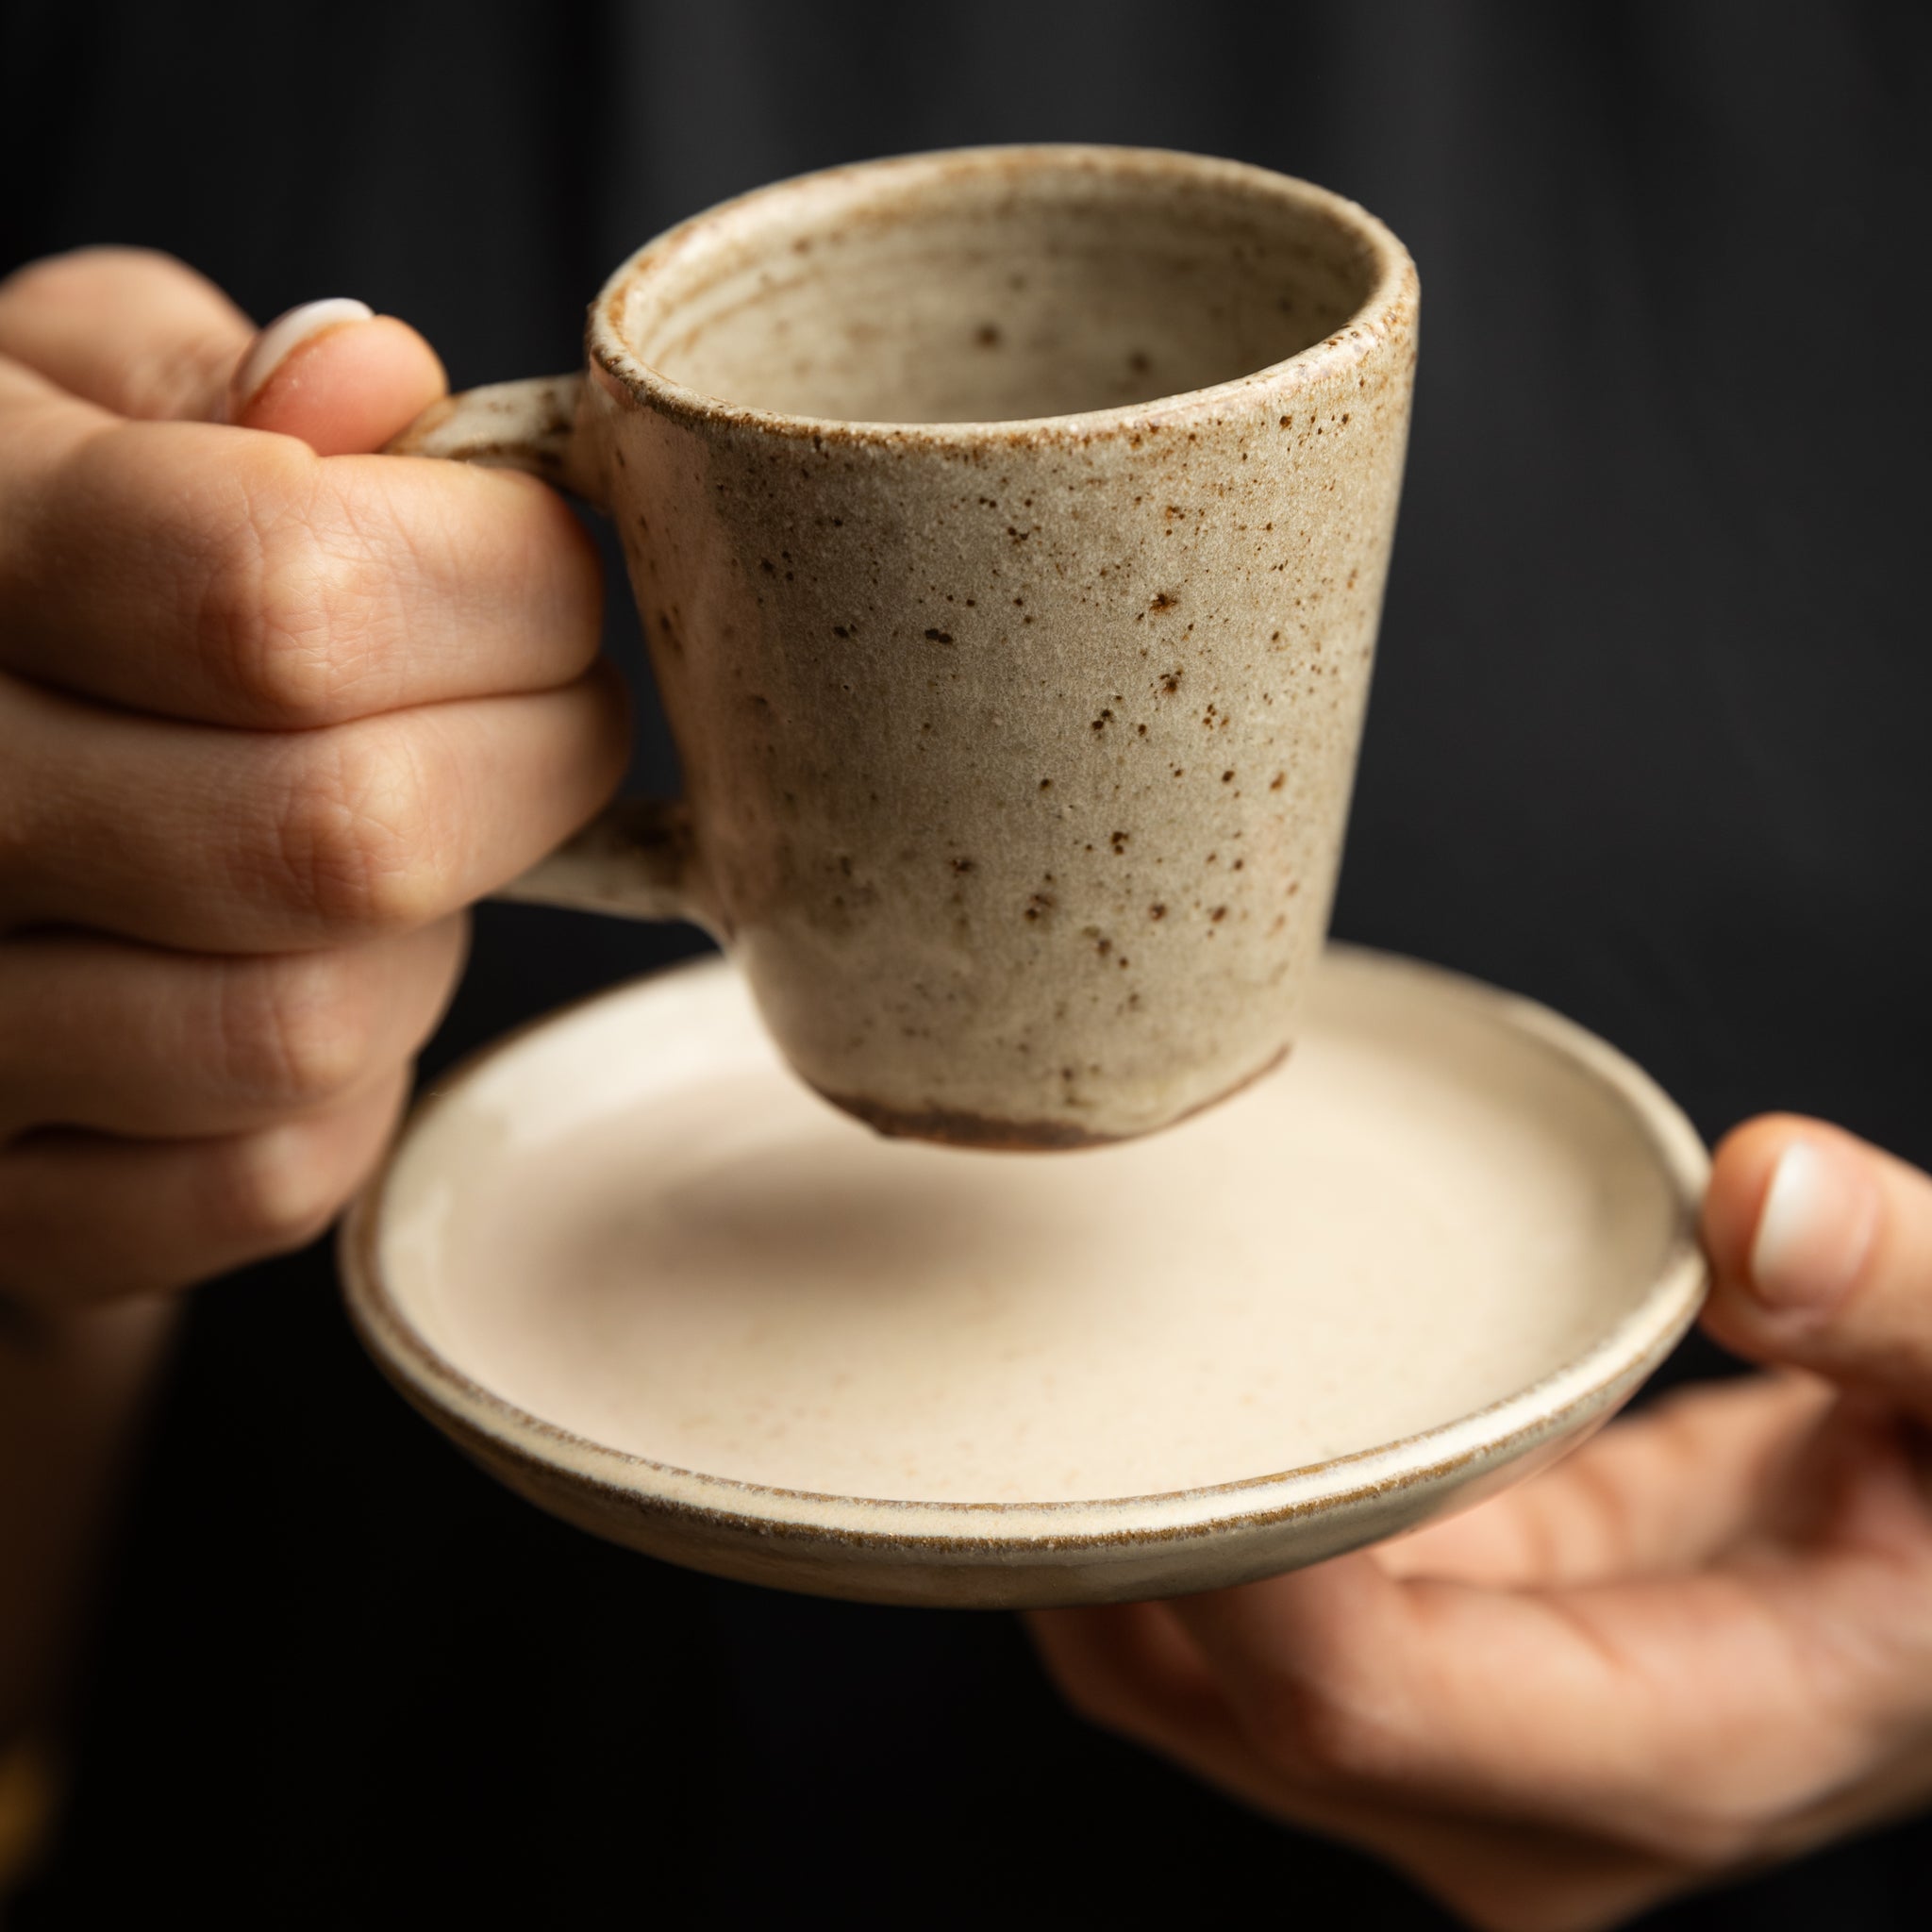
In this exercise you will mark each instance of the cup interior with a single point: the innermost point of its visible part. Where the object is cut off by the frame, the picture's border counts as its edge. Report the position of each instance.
(998, 286)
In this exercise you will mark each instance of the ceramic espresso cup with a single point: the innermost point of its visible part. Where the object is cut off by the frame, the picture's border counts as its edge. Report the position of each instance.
(1010, 530)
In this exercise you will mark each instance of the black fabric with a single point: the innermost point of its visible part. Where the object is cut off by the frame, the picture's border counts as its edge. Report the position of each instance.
(1648, 742)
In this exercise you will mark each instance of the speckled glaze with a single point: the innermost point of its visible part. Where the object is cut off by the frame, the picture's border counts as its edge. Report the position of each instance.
(1009, 528)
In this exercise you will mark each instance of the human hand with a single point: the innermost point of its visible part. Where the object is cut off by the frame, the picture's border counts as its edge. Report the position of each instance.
(1702, 1643)
(272, 710)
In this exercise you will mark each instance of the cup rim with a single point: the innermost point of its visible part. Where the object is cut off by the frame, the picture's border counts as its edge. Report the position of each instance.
(1387, 311)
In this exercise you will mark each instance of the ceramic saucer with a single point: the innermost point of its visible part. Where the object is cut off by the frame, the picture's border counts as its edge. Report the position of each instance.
(634, 1269)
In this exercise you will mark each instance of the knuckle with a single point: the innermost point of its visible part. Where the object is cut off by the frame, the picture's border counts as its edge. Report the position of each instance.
(260, 622)
(294, 598)
(1313, 1728)
(36, 281)
(78, 273)
(298, 1032)
(183, 332)
(358, 842)
(277, 1191)
(1700, 1838)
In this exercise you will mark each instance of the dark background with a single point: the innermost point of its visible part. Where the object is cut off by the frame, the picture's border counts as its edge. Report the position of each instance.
(1648, 742)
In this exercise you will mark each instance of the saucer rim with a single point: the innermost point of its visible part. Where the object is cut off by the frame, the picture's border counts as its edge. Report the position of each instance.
(1555, 1406)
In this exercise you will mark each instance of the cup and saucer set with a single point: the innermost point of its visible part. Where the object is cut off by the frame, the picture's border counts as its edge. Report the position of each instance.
(1029, 1206)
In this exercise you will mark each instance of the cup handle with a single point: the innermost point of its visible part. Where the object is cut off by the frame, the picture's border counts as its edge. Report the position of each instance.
(637, 857)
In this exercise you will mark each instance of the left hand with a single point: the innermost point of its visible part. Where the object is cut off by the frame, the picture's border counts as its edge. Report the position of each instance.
(1703, 1642)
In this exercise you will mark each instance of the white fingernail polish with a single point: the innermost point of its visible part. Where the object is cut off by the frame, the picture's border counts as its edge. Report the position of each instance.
(1813, 1230)
(282, 337)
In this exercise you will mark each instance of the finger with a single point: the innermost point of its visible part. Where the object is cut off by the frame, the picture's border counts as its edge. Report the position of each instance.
(233, 842)
(1660, 1492)
(1288, 1656)
(1676, 1716)
(134, 1041)
(85, 1218)
(336, 376)
(1129, 1668)
(1133, 1671)
(1821, 1250)
(127, 329)
(234, 578)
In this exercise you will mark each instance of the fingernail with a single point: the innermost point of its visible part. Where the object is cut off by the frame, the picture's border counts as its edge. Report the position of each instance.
(1819, 1216)
(283, 337)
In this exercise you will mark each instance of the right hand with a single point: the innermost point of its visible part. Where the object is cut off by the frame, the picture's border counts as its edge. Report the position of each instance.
(1701, 1644)
(273, 710)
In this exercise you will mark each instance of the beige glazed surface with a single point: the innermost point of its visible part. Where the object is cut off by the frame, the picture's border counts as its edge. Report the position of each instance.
(1009, 528)
(637, 1271)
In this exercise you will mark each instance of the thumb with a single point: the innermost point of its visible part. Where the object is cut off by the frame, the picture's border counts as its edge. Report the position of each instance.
(336, 374)
(1821, 1249)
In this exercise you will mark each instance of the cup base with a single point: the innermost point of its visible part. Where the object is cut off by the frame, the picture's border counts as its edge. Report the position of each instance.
(949, 1127)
